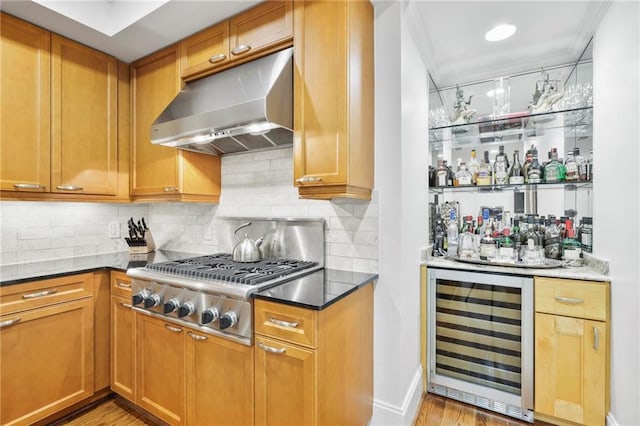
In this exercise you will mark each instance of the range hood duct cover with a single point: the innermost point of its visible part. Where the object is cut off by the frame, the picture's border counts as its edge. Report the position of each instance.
(248, 107)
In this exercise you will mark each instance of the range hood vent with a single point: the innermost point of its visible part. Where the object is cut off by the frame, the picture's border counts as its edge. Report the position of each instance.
(245, 108)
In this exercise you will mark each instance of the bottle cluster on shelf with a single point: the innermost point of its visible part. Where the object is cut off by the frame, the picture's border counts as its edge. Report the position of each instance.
(495, 235)
(575, 168)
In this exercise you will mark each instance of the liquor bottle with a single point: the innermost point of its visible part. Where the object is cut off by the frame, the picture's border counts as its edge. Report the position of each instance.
(484, 172)
(586, 234)
(553, 169)
(507, 246)
(571, 249)
(552, 241)
(571, 174)
(501, 167)
(516, 238)
(442, 174)
(527, 163)
(590, 167)
(463, 176)
(515, 174)
(534, 171)
(452, 234)
(487, 246)
(450, 173)
(582, 164)
(473, 167)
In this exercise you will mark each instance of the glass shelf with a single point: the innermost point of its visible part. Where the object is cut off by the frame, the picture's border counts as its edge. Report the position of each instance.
(576, 122)
(567, 186)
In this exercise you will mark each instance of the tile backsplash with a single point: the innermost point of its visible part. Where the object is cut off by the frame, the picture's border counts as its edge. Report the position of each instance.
(253, 184)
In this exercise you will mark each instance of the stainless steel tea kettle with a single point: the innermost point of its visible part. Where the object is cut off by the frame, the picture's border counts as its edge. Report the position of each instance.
(246, 250)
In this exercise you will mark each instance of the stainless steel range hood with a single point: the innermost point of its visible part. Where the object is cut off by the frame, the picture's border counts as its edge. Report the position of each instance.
(249, 107)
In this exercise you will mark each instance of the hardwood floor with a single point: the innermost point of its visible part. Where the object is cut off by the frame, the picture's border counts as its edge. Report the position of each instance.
(434, 411)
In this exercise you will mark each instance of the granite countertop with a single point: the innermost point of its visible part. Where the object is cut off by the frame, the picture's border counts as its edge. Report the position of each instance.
(317, 290)
(22, 272)
(593, 269)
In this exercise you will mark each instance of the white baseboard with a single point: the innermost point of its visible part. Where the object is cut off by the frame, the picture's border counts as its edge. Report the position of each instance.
(385, 414)
(611, 421)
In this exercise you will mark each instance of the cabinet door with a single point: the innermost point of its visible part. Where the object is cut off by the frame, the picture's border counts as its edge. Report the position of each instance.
(24, 106)
(205, 51)
(215, 395)
(46, 360)
(160, 368)
(333, 92)
(84, 127)
(570, 369)
(155, 82)
(123, 347)
(285, 387)
(268, 25)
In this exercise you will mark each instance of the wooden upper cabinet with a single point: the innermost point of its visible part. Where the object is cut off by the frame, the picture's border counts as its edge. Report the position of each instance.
(24, 106)
(84, 127)
(333, 99)
(207, 50)
(160, 172)
(263, 29)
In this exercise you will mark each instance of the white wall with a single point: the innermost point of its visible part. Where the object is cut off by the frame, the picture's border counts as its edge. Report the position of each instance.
(616, 154)
(401, 159)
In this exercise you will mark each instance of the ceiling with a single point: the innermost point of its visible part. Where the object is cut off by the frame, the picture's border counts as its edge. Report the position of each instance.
(451, 33)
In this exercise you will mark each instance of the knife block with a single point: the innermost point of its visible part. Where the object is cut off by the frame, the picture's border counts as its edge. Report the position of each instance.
(148, 246)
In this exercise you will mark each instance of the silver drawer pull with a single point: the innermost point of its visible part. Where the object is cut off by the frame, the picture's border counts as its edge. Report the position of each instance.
(196, 336)
(69, 188)
(217, 58)
(123, 285)
(28, 186)
(125, 305)
(243, 48)
(569, 300)
(308, 179)
(283, 323)
(596, 338)
(272, 349)
(39, 294)
(7, 323)
(172, 328)
(170, 189)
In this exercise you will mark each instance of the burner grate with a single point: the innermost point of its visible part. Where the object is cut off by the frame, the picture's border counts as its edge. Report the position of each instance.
(221, 267)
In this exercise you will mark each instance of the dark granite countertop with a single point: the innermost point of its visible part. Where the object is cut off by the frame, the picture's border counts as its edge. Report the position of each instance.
(317, 290)
(22, 272)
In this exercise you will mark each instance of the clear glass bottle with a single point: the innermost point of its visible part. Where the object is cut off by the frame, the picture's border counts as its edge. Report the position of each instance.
(441, 174)
(462, 177)
(586, 234)
(535, 171)
(527, 163)
(553, 169)
(487, 246)
(515, 174)
(473, 167)
(571, 249)
(452, 234)
(501, 167)
(582, 164)
(484, 172)
(571, 167)
(552, 240)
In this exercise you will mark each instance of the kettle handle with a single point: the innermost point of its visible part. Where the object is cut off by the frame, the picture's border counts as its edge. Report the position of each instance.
(244, 225)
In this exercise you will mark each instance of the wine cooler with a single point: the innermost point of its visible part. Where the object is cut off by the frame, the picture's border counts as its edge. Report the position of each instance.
(480, 342)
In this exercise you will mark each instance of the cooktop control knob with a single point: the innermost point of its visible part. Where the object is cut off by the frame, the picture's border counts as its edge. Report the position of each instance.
(170, 306)
(137, 299)
(209, 315)
(186, 309)
(151, 301)
(229, 319)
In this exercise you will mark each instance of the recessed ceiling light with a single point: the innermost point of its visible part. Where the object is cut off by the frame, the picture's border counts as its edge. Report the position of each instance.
(500, 32)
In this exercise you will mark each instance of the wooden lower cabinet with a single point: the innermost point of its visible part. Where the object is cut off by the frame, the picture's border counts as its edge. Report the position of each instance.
(46, 360)
(123, 348)
(327, 380)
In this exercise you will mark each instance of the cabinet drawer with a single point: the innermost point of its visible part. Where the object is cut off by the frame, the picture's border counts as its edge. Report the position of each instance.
(581, 299)
(290, 323)
(120, 284)
(20, 297)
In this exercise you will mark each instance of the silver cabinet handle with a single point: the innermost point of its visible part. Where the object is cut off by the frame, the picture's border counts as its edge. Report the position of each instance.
(7, 323)
(123, 285)
(39, 294)
(170, 189)
(308, 179)
(28, 186)
(125, 305)
(569, 300)
(283, 323)
(217, 58)
(596, 338)
(196, 336)
(272, 349)
(243, 48)
(172, 328)
(69, 188)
